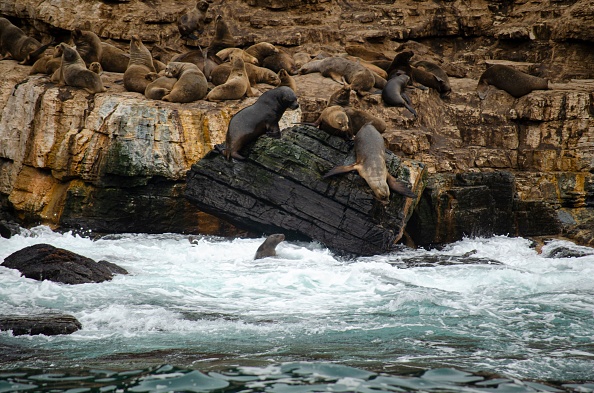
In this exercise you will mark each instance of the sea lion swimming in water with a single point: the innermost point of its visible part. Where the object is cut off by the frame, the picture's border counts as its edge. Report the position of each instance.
(371, 165)
(268, 248)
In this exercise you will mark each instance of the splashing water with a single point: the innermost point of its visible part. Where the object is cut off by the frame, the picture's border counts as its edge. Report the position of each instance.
(480, 305)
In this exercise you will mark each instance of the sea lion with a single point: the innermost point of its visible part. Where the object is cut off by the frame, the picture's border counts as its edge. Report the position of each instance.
(15, 44)
(193, 21)
(334, 121)
(262, 50)
(257, 119)
(360, 78)
(358, 118)
(280, 60)
(443, 86)
(268, 248)
(287, 80)
(401, 63)
(96, 68)
(113, 59)
(220, 74)
(226, 53)
(364, 52)
(236, 86)
(341, 96)
(159, 86)
(223, 37)
(140, 64)
(88, 45)
(370, 66)
(191, 83)
(47, 64)
(75, 73)
(394, 93)
(205, 59)
(371, 165)
(301, 58)
(515, 82)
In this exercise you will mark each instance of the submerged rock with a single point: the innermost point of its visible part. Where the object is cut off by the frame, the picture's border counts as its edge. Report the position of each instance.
(279, 189)
(48, 324)
(46, 262)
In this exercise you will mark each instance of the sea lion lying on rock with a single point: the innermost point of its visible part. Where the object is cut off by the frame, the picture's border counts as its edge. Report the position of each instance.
(15, 44)
(515, 82)
(360, 78)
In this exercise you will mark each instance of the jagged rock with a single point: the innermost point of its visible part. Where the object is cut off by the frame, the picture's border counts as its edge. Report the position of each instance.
(47, 324)
(46, 262)
(279, 189)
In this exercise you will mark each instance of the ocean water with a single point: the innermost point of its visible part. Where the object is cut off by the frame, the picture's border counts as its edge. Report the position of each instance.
(488, 314)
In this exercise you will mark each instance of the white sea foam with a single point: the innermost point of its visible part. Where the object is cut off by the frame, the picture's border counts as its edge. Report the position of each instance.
(211, 295)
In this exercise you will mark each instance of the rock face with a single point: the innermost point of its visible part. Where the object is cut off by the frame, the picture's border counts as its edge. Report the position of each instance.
(279, 188)
(116, 162)
(46, 262)
(46, 324)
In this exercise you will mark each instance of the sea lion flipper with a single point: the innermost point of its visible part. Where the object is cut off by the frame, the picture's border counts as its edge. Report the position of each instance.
(400, 187)
(340, 169)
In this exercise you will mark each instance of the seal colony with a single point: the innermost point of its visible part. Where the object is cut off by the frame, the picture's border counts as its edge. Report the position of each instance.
(225, 71)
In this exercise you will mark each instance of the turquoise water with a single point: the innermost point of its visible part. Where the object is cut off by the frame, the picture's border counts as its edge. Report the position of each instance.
(202, 306)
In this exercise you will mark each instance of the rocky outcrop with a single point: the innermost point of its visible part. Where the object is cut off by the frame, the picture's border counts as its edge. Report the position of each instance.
(49, 324)
(279, 188)
(46, 262)
(117, 162)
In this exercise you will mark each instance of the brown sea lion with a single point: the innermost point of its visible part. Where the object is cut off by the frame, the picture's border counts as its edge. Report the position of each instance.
(360, 78)
(401, 63)
(48, 64)
(96, 68)
(257, 119)
(205, 59)
(268, 248)
(236, 86)
(159, 86)
(223, 37)
(341, 96)
(15, 44)
(191, 83)
(301, 58)
(75, 73)
(220, 74)
(88, 45)
(358, 118)
(262, 50)
(226, 53)
(113, 59)
(287, 80)
(443, 83)
(364, 52)
(193, 21)
(394, 93)
(140, 64)
(334, 121)
(371, 165)
(280, 60)
(515, 82)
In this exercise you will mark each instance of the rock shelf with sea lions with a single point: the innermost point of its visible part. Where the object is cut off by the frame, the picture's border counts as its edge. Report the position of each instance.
(257, 119)
(371, 165)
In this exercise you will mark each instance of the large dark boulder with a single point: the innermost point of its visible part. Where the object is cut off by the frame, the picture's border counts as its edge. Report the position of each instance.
(48, 324)
(279, 189)
(46, 262)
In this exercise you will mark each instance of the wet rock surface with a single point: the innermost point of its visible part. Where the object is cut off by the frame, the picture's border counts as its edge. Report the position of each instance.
(48, 324)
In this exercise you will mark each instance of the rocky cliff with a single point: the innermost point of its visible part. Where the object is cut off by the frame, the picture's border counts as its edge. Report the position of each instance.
(116, 161)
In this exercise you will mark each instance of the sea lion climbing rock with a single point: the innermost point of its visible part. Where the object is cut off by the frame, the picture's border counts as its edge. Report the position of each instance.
(371, 165)
(257, 119)
(191, 84)
(140, 64)
(515, 82)
(268, 248)
(394, 94)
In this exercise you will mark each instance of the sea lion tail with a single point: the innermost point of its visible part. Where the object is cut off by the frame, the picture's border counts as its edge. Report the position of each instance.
(340, 169)
(400, 187)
